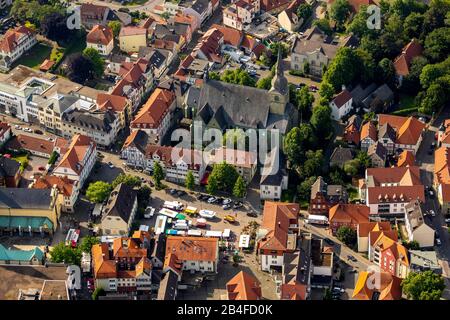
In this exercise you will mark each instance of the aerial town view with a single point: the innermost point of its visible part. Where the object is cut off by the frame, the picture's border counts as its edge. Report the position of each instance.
(224, 150)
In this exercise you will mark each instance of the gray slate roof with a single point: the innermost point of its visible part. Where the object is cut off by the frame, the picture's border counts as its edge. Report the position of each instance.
(120, 202)
(24, 198)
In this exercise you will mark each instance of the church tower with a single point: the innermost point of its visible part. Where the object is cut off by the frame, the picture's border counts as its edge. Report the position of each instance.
(279, 90)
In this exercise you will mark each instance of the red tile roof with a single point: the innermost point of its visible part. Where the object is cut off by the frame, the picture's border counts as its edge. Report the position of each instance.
(342, 98)
(243, 287)
(64, 184)
(153, 111)
(352, 134)
(111, 102)
(365, 228)
(132, 31)
(369, 130)
(193, 248)
(409, 52)
(100, 35)
(390, 288)
(396, 194)
(406, 158)
(349, 213)
(409, 130)
(405, 176)
(76, 153)
(277, 217)
(442, 165)
(31, 143)
(9, 41)
(231, 36)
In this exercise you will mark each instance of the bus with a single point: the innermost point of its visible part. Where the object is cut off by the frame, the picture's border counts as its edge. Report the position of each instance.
(316, 219)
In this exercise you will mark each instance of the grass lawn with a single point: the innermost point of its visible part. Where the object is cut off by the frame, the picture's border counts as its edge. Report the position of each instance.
(35, 56)
(139, 2)
(406, 105)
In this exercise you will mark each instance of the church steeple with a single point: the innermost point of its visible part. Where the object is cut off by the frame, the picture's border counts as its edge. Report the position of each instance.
(279, 81)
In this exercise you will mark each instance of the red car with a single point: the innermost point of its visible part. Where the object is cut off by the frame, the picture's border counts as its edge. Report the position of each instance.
(41, 169)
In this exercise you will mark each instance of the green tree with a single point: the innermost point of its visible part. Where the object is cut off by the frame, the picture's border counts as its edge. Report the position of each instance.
(264, 83)
(190, 180)
(297, 141)
(431, 72)
(239, 188)
(128, 179)
(326, 91)
(343, 69)
(87, 243)
(98, 191)
(339, 12)
(358, 25)
(304, 11)
(305, 101)
(437, 44)
(351, 167)
(423, 286)
(304, 188)
(324, 25)
(347, 235)
(238, 76)
(97, 61)
(225, 175)
(62, 253)
(213, 186)
(214, 75)
(321, 122)
(412, 26)
(364, 161)
(99, 291)
(143, 195)
(158, 174)
(386, 72)
(313, 164)
(115, 27)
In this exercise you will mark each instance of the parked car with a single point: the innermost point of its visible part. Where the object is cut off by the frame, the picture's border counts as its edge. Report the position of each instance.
(227, 201)
(447, 220)
(212, 200)
(181, 193)
(338, 289)
(353, 271)
(237, 204)
(28, 130)
(18, 127)
(230, 218)
(351, 258)
(252, 214)
(110, 165)
(433, 214)
(173, 191)
(37, 131)
(226, 207)
(431, 193)
(438, 242)
(41, 168)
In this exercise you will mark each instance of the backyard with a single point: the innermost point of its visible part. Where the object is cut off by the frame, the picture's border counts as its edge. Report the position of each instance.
(35, 56)
(406, 105)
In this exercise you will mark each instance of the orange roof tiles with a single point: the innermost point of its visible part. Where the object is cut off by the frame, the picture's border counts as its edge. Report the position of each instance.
(102, 266)
(243, 287)
(409, 52)
(406, 158)
(404, 176)
(349, 213)
(64, 184)
(390, 288)
(46, 65)
(151, 114)
(76, 153)
(385, 242)
(132, 31)
(9, 41)
(231, 36)
(193, 248)
(369, 130)
(366, 227)
(100, 35)
(26, 142)
(277, 217)
(408, 130)
(442, 165)
(113, 102)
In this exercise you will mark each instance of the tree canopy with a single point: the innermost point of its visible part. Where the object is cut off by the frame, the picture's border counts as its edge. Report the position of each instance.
(425, 285)
(98, 191)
